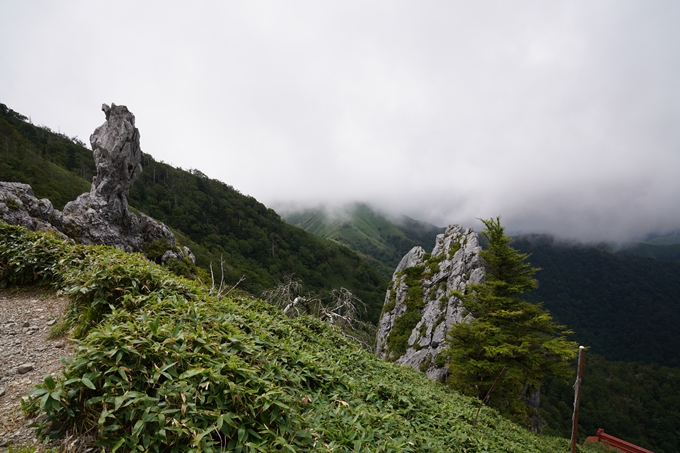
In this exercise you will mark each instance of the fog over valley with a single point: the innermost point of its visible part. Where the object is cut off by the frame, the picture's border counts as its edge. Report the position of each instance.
(562, 117)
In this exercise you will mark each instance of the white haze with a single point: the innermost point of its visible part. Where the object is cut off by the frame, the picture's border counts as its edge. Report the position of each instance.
(562, 117)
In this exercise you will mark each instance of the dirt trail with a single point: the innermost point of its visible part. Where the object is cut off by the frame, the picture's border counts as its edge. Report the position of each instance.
(26, 355)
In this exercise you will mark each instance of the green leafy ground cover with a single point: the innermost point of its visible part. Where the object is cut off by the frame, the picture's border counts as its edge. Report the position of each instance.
(163, 366)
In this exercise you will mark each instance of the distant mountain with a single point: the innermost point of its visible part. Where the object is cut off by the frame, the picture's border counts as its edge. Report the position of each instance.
(211, 217)
(661, 248)
(381, 240)
(665, 239)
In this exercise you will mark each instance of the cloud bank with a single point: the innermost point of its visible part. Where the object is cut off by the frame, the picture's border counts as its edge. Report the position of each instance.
(562, 117)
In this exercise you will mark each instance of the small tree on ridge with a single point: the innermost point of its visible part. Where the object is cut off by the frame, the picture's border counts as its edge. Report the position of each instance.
(509, 346)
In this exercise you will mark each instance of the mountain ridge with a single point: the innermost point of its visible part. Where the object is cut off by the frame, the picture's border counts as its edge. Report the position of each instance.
(361, 227)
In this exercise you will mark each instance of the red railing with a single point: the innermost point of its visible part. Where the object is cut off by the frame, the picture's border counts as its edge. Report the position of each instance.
(625, 447)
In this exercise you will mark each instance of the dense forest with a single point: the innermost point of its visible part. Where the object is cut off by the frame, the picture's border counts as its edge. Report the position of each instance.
(636, 402)
(624, 307)
(217, 221)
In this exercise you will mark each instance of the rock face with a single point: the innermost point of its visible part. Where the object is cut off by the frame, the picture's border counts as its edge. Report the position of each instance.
(100, 216)
(117, 155)
(419, 309)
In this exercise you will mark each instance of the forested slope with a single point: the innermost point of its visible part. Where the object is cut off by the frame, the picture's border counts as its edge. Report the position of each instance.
(219, 221)
(636, 402)
(659, 251)
(382, 240)
(626, 308)
(56, 166)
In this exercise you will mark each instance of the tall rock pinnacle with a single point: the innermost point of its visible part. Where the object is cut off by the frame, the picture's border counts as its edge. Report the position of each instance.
(117, 155)
(100, 216)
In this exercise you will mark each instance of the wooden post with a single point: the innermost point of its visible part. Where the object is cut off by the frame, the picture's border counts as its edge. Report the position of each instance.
(577, 398)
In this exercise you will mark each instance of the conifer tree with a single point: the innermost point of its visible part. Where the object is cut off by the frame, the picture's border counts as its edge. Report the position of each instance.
(509, 345)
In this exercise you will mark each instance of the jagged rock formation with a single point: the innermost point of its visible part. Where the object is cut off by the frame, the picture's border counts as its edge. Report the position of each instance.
(19, 206)
(100, 216)
(419, 309)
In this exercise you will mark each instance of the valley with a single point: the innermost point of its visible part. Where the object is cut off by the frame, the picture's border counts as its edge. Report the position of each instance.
(623, 304)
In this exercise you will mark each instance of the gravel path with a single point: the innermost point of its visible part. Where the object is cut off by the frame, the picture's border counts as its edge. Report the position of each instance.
(26, 355)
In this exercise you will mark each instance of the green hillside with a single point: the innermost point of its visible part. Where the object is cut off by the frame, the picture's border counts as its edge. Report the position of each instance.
(56, 166)
(382, 241)
(216, 220)
(670, 239)
(163, 366)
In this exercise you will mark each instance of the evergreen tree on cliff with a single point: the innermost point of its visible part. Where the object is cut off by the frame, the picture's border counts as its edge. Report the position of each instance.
(509, 346)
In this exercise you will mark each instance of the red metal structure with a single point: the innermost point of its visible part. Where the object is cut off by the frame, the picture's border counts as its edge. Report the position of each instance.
(622, 445)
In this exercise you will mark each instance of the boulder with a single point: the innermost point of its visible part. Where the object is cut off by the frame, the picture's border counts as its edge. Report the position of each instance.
(102, 216)
(117, 155)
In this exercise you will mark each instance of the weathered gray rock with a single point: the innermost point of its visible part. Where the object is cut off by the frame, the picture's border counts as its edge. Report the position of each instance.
(453, 264)
(172, 255)
(19, 206)
(25, 368)
(100, 216)
(189, 254)
(117, 155)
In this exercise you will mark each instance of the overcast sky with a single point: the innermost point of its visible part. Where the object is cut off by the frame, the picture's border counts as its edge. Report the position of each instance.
(560, 116)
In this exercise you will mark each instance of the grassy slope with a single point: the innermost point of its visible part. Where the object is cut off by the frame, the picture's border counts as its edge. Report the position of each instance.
(172, 368)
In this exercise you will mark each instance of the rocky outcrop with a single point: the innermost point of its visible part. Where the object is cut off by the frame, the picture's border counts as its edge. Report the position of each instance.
(419, 308)
(100, 216)
(19, 206)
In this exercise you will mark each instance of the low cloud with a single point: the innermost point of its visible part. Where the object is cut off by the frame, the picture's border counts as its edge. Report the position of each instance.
(559, 116)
